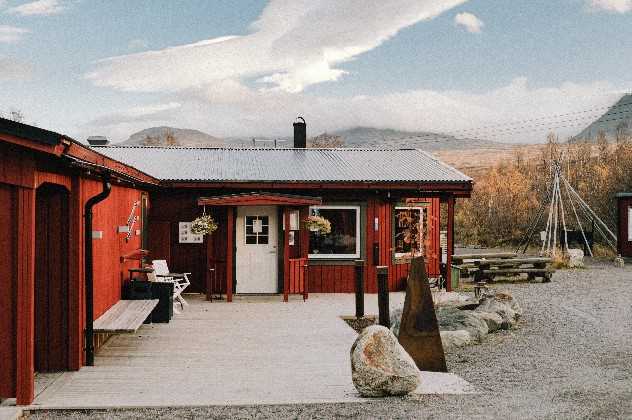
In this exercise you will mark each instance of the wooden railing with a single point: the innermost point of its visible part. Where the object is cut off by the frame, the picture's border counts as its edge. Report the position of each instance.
(216, 279)
(298, 281)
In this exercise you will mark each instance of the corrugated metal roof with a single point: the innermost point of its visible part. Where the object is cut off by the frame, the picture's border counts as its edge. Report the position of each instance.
(285, 165)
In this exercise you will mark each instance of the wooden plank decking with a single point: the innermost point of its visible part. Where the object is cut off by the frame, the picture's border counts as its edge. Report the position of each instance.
(125, 316)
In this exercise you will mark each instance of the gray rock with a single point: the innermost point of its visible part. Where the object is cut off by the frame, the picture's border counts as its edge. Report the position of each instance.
(454, 319)
(396, 321)
(493, 320)
(575, 258)
(454, 339)
(504, 305)
(380, 366)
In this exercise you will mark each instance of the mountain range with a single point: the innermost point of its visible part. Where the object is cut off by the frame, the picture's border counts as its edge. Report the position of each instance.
(617, 116)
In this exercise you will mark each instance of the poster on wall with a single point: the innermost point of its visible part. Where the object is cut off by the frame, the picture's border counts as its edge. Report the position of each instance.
(185, 236)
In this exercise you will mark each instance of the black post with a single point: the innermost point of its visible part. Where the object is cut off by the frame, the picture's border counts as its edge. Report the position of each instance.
(382, 296)
(359, 288)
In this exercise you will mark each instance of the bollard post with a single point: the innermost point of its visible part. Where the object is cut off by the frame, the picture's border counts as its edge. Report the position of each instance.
(382, 296)
(359, 288)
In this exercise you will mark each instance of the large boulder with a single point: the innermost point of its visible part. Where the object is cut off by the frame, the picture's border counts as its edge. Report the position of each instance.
(453, 339)
(504, 305)
(493, 320)
(454, 319)
(380, 366)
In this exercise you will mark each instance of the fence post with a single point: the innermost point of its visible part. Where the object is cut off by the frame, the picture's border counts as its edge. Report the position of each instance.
(382, 296)
(359, 288)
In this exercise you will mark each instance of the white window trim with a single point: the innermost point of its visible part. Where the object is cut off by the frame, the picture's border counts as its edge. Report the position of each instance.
(421, 224)
(358, 233)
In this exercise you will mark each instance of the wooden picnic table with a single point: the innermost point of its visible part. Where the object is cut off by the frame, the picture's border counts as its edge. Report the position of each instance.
(489, 255)
(534, 267)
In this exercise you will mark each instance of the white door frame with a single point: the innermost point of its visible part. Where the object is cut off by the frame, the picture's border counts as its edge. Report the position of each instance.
(256, 249)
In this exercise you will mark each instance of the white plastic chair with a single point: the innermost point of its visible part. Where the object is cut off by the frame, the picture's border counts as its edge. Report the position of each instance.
(180, 281)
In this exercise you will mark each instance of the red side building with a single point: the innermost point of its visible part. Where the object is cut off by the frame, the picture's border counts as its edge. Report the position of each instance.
(259, 198)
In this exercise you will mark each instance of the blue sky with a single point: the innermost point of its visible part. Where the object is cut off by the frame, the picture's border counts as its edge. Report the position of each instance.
(438, 65)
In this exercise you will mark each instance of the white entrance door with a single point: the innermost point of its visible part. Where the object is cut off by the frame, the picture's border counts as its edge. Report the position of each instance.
(256, 255)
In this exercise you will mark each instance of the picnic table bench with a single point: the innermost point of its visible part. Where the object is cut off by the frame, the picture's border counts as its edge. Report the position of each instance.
(126, 316)
(460, 258)
(535, 267)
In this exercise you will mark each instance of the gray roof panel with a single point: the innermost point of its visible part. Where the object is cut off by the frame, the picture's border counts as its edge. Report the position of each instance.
(285, 165)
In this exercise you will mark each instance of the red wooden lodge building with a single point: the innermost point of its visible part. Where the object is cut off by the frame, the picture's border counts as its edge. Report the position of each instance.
(146, 197)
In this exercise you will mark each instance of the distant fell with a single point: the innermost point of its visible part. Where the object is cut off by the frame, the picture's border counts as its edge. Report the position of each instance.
(172, 136)
(372, 137)
(617, 117)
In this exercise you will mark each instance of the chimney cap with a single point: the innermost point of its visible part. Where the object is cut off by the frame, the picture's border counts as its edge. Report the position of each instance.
(302, 120)
(98, 141)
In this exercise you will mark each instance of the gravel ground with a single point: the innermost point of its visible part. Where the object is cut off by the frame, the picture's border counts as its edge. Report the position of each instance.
(571, 357)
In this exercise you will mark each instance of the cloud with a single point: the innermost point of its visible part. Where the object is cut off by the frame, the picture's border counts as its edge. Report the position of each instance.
(137, 44)
(11, 34)
(11, 69)
(470, 22)
(617, 6)
(228, 108)
(292, 45)
(141, 114)
(38, 7)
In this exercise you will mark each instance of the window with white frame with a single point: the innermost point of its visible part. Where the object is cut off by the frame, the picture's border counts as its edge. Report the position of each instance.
(410, 230)
(344, 239)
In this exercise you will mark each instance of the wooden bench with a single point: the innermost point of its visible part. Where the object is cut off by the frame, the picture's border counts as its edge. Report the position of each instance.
(126, 316)
(461, 258)
(532, 267)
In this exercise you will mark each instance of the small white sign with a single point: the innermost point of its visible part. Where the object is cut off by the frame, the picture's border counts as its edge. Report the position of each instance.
(186, 237)
(257, 226)
(629, 224)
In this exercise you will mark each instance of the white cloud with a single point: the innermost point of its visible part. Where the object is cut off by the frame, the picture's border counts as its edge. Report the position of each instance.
(293, 44)
(38, 7)
(617, 6)
(228, 108)
(137, 44)
(11, 34)
(11, 69)
(470, 22)
(143, 114)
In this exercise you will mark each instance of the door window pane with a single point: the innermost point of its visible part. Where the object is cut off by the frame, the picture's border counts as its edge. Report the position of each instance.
(257, 229)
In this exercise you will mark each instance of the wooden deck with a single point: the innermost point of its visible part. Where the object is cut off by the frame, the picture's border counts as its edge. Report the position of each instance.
(256, 350)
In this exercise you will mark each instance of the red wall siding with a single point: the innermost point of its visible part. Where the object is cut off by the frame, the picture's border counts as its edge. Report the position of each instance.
(333, 278)
(109, 272)
(7, 290)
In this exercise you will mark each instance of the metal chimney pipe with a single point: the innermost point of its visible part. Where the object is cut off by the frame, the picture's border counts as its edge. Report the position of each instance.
(300, 133)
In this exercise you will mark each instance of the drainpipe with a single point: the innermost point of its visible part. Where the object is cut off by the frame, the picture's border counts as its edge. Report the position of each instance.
(88, 265)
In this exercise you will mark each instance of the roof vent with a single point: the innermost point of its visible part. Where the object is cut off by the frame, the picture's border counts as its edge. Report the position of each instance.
(98, 141)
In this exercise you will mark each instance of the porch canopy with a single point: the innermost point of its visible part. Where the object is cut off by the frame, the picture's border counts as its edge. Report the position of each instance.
(294, 269)
(259, 199)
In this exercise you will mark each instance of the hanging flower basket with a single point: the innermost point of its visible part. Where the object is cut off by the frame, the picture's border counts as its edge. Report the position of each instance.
(318, 224)
(203, 225)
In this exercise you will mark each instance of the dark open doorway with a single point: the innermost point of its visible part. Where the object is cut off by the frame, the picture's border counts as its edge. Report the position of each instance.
(51, 279)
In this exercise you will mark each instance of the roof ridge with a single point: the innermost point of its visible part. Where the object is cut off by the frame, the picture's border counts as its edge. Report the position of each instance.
(442, 163)
(355, 149)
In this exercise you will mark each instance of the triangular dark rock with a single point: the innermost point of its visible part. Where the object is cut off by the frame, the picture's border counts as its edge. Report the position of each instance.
(419, 331)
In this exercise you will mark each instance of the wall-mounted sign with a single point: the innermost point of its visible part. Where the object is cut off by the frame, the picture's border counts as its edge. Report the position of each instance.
(186, 237)
(629, 224)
